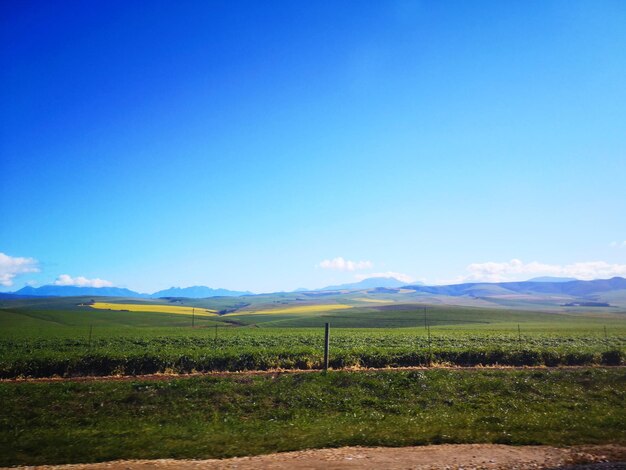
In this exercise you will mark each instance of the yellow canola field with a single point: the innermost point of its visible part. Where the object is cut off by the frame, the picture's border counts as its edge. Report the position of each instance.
(177, 309)
(295, 309)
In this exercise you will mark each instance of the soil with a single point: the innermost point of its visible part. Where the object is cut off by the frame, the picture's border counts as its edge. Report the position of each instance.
(277, 372)
(447, 456)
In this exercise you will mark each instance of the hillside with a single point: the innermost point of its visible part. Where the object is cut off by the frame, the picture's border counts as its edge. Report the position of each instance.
(526, 295)
(574, 288)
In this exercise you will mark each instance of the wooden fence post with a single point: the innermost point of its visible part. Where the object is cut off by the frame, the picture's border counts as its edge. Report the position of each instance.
(430, 349)
(326, 345)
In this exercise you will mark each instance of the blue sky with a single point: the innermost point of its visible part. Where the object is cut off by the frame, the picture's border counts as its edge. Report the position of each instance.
(277, 145)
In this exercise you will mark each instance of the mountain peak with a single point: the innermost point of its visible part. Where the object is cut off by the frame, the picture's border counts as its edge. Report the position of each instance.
(552, 279)
(75, 291)
(369, 283)
(52, 290)
(198, 292)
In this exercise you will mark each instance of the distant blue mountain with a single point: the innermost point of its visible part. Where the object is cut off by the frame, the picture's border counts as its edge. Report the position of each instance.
(9, 295)
(194, 292)
(474, 289)
(575, 288)
(198, 292)
(552, 279)
(369, 283)
(74, 291)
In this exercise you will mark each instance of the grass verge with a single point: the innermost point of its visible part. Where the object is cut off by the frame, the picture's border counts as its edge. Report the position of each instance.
(223, 417)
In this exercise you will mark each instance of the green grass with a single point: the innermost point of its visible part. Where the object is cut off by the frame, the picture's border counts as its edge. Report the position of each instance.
(52, 337)
(188, 351)
(44, 317)
(222, 417)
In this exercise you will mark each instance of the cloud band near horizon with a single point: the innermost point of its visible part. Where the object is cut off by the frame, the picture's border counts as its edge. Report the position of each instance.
(11, 266)
(341, 264)
(511, 270)
(80, 281)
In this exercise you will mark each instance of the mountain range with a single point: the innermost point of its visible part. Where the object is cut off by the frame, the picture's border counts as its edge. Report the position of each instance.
(540, 286)
(552, 279)
(194, 292)
(72, 291)
(369, 283)
(198, 292)
(485, 289)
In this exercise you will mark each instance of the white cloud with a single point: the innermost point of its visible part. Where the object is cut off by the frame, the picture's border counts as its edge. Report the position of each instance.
(80, 281)
(12, 266)
(618, 244)
(517, 269)
(389, 274)
(340, 264)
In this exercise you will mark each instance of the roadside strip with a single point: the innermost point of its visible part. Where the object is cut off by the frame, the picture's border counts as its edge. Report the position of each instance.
(277, 372)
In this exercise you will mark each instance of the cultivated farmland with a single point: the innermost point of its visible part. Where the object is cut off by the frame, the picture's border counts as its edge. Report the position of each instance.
(40, 339)
(152, 308)
(364, 401)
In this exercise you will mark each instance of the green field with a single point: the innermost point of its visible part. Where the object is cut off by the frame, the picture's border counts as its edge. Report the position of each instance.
(66, 422)
(221, 417)
(66, 337)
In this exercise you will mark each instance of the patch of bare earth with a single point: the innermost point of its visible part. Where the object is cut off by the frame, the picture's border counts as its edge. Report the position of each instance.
(279, 372)
(447, 456)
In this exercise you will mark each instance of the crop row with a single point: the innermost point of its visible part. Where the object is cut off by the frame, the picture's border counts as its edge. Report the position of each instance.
(111, 363)
(290, 340)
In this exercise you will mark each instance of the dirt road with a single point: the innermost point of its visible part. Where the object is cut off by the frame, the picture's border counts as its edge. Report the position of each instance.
(465, 456)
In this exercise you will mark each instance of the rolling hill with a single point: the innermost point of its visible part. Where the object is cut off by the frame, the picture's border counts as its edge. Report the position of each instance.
(571, 288)
(523, 295)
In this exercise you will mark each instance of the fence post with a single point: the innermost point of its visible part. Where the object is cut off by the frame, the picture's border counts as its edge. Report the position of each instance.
(326, 345)
(430, 349)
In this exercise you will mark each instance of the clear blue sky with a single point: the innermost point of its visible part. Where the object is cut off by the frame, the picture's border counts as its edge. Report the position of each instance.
(241, 144)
